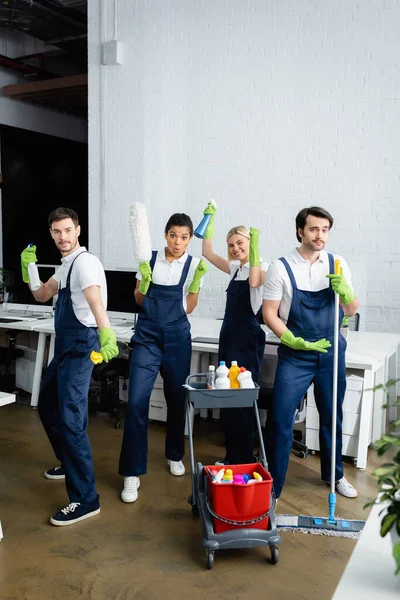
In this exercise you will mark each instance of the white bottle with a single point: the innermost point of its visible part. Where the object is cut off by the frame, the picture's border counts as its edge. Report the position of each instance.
(211, 378)
(223, 382)
(34, 276)
(222, 370)
(245, 379)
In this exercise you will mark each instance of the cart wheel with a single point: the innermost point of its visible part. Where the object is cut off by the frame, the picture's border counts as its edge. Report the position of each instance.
(303, 454)
(274, 555)
(117, 425)
(195, 510)
(312, 452)
(354, 462)
(210, 559)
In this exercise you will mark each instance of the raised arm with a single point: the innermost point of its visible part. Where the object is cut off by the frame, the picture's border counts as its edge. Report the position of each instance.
(207, 246)
(256, 275)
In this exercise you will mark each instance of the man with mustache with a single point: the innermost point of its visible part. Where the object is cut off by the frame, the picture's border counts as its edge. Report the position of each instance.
(80, 313)
(298, 306)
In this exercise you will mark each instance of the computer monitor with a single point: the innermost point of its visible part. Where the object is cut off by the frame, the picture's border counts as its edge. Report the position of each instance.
(18, 296)
(120, 291)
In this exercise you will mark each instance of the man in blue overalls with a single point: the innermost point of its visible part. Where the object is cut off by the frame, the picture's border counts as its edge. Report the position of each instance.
(298, 306)
(63, 401)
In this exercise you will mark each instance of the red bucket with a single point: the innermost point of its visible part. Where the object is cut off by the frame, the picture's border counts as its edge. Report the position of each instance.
(240, 502)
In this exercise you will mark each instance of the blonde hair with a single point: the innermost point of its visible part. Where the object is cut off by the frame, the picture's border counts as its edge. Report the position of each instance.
(239, 230)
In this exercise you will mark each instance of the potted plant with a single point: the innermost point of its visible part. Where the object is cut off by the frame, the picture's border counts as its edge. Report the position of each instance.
(388, 475)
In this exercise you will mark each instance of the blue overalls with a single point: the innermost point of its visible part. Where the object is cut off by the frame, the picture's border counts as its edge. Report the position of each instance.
(63, 398)
(161, 343)
(241, 339)
(311, 316)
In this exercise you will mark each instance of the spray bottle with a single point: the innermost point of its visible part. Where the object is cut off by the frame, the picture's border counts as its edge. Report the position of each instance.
(34, 278)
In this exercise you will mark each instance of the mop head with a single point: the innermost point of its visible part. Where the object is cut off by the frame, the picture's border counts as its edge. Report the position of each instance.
(320, 526)
(140, 231)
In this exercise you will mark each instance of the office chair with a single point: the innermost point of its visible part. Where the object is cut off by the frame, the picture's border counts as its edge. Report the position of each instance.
(354, 322)
(104, 388)
(264, 400)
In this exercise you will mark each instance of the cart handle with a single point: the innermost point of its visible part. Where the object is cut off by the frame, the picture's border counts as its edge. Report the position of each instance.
(189, 377)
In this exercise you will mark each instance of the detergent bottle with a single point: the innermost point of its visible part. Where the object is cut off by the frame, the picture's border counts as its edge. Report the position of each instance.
(233, 374)
(228, 476)
(222, 382)
(245, 379)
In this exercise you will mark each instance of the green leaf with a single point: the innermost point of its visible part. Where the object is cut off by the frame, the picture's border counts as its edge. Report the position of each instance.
(386, 523)
(385, 469)
(396, 556)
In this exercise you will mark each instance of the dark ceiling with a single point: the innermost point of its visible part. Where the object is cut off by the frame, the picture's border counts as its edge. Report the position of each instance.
(57, 23)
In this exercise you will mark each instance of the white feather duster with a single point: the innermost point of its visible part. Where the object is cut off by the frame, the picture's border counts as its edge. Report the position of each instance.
(140, 231)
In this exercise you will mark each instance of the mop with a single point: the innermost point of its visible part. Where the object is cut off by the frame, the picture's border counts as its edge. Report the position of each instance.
(141, 242)
(321, 525)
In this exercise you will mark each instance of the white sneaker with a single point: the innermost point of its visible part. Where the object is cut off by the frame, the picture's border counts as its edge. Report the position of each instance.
(130, 491)
(345, 488)
(176, 467)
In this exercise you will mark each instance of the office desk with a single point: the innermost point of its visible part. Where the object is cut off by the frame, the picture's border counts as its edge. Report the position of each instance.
(372, 355)
(5, 398)
(46, 329)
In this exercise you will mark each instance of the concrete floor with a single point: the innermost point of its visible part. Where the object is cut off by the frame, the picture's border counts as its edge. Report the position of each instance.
(150, 550)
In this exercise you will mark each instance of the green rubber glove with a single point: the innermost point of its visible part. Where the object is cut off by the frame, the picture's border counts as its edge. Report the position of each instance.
(345, 322)
(200, 271)
(108, 344)
(254, 250)
(27, 256)
(297, 343)
(145, 270)
(210, 210)
(342, 288)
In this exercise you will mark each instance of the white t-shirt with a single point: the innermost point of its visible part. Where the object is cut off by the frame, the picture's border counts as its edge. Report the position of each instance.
(87, 271)
(309, 277)
(169, 273)
(256, 294)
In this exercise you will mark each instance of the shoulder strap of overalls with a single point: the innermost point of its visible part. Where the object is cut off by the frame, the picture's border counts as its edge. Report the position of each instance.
(72, 264)
(331, 267)
(185, 270)
(153, 259)
(289, 272)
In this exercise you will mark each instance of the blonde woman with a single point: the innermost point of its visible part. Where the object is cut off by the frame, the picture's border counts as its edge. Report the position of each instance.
(241, 337)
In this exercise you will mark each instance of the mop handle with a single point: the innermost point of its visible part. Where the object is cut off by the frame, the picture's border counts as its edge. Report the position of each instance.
(335, 381)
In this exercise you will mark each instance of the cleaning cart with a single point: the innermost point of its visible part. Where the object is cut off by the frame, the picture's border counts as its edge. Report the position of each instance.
(230, 517)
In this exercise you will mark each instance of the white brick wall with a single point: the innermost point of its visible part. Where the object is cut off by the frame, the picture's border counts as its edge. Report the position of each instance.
(265, 106)
(28, 116)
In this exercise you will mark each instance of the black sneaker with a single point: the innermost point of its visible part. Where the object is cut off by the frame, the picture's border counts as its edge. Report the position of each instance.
(75, 512)
(56, 473)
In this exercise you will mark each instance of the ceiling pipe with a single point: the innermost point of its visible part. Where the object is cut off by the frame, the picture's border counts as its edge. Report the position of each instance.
(49, 7)
(16, 65)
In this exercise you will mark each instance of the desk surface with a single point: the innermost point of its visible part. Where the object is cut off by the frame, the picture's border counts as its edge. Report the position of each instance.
(365, 350)
(6, 398)
(369, 574)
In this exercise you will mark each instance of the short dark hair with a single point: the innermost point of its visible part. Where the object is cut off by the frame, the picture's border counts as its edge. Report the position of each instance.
(314, 211)
(179, 220)
(63, 213)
